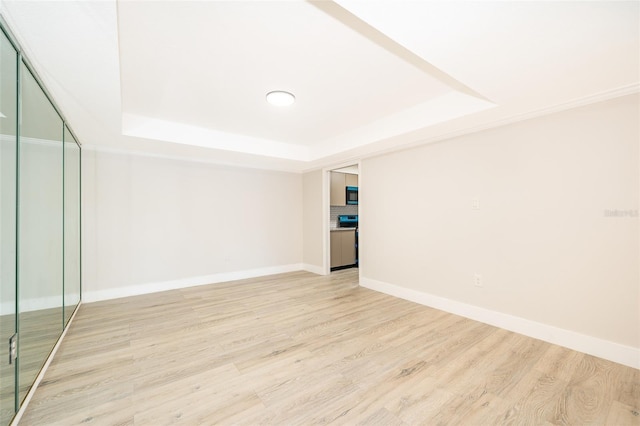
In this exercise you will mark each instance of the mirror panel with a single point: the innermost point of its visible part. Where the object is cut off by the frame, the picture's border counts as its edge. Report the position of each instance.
(8, 169)
(40, 230)
(40, 251)
(71, 224)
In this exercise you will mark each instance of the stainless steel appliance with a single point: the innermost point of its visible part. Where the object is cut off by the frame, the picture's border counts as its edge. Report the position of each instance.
(348, 221)
(352, 195)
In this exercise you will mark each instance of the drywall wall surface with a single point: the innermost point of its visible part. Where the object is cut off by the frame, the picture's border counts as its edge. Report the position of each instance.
(153, 223)
(312, 220)
(544, 212)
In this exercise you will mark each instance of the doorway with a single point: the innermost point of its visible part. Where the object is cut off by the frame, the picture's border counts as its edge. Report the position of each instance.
(343, 217)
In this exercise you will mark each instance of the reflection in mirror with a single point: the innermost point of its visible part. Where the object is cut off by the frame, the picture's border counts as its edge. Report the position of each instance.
(71, 224)
(40, 230)
(8, 158)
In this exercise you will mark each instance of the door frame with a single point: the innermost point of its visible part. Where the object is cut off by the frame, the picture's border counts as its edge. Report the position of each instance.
(326, 216)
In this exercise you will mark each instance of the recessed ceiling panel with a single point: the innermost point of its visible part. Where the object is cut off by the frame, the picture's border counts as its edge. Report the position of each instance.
(188, 79)
(209, 65)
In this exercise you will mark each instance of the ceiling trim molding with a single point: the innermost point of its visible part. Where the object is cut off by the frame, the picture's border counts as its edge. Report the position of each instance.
(190, 159)
(374, 35)
(565, 106)
(168, 131)
(446, 107)
(299, 169)
(576, 103)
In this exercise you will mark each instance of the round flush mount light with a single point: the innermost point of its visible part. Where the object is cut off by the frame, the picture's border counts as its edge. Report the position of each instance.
(280, 98)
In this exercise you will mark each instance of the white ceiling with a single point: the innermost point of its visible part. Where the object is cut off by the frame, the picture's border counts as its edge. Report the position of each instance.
(189, 79)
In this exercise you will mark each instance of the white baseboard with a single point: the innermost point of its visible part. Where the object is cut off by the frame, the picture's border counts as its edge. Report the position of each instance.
(34, 304)
(314, 269)
(89, 295)
(606, 349)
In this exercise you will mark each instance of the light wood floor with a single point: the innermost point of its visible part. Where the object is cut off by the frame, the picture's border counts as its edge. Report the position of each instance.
(304, 349)
(39, 332)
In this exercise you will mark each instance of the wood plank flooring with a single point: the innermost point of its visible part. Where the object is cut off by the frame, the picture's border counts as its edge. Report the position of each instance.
(39, 332)
(301, 349)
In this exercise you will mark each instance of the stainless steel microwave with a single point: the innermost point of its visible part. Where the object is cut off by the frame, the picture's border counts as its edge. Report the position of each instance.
(352, 195)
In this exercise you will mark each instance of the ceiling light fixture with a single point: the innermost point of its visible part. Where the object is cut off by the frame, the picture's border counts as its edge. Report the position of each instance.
(280, 98)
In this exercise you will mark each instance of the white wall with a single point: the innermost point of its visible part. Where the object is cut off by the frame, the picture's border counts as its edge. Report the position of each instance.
(151, 224)
(8, 148)
(312, 222)
(553, 264)
(40, 223)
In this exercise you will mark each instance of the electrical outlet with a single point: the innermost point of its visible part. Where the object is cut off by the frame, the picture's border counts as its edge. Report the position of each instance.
(477, 280)
(475, 204)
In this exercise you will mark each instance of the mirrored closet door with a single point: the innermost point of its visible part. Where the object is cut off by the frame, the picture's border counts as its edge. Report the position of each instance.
(8, 230)
(40, 237)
